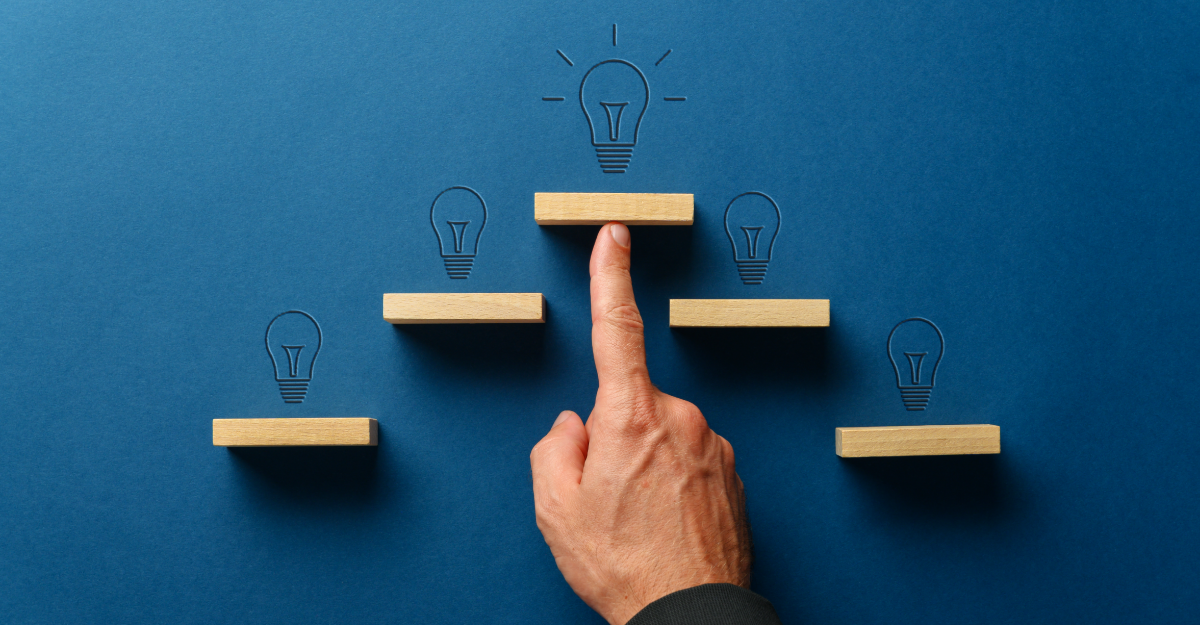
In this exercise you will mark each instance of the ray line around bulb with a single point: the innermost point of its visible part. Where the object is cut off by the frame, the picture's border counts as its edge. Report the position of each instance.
(675, 99)
(564, 57)
(662, 58)
(553, 99)
(614, 35)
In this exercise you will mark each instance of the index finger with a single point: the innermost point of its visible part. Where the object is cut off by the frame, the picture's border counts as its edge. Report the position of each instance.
(618, 344)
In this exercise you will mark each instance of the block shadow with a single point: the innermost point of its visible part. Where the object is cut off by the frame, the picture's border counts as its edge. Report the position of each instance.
(329, 476)
(973, 488)
(791, 357)
(497, 352)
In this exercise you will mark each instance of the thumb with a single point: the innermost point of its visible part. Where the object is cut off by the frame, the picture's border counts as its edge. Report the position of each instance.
(557, 460)
(617, 341)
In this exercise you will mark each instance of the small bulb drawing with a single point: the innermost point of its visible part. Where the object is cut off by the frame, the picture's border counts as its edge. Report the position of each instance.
(915, 347)
(614, 95)
(752, 222)
(458, 216)
(293, 340)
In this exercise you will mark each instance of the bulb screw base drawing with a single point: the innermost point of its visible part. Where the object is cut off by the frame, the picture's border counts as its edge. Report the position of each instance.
(293, 392)
(614, 160)
(915, 398)
(752, 271)
(459, 267)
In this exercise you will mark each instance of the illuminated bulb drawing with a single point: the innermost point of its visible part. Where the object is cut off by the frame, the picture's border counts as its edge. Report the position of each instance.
(915, 348)
(752, 223)
(458, 215)
(614, 95)
(293, 340)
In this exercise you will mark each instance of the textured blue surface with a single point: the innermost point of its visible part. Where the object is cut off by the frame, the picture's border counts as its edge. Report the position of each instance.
(174, 174)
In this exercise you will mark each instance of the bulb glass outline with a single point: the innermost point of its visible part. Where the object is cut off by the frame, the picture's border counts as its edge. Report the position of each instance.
(458, 216)
(915, 357)
(293, 351)
(609, 94)
(752, 222)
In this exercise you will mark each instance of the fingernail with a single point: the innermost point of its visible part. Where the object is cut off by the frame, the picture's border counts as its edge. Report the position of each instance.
(562, 416)
(620, 234)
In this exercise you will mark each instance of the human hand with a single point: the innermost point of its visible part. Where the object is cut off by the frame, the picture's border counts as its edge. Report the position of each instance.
(642, 501)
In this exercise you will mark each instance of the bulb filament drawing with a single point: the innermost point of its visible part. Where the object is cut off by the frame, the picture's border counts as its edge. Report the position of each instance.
(910, 347)
(293, 340)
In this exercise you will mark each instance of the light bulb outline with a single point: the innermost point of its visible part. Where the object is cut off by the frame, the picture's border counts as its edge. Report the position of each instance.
(458, 264)
(293, 388)
(753, 269)
(914, 396)
(614, 156)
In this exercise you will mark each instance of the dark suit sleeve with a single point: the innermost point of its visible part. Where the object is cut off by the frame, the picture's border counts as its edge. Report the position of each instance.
(710, 604)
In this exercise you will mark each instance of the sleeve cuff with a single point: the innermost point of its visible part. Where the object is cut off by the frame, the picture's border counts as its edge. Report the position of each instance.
(708, 604)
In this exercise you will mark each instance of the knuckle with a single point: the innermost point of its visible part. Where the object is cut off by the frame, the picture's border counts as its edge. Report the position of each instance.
(638, 412)
(545, 521)
(624, 317)
(536, 454)
(546, 505)
(689, 420)
(644, 412)
(726, 450)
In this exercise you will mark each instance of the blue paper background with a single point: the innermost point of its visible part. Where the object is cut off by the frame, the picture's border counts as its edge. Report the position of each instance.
(175, 174)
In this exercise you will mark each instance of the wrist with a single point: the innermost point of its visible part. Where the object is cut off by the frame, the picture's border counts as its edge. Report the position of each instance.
(728, 604)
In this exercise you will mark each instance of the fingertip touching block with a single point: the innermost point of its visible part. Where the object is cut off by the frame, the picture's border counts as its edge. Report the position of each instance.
(634, 209)
(419, 308)
(917, 440)
(749, 313)
(295, 432)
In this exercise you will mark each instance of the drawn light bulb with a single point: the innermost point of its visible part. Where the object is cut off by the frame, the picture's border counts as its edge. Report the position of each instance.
(614, 95)
(915, 348)
(752, 223)
(458, 215)
(293, 340)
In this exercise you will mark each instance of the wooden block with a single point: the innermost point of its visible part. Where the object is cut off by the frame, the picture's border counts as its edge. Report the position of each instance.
(634, 209)
(918, 440)
(294, 432)
(749, 313)
(464, 308)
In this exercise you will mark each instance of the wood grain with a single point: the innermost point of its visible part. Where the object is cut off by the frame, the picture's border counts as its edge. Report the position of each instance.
(404, 308)
(294, 432)
(634, 209)
(917, 440)
(749, 313)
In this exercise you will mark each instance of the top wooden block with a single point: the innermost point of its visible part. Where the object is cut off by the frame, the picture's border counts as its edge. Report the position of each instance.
(917, 440)
(749, 313)
(294, 432)
(634, 209)
(415, 308)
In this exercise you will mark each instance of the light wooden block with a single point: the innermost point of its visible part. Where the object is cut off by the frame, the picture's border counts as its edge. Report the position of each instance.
(405, 308)
(749, 313)
(917, 440)
(294, 432)
(634, 209)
